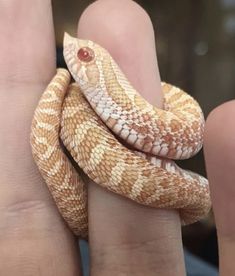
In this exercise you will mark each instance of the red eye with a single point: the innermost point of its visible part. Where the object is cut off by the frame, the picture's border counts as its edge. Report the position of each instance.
(86, 54)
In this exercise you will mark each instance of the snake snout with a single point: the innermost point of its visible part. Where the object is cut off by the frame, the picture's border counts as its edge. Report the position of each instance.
(71, 48)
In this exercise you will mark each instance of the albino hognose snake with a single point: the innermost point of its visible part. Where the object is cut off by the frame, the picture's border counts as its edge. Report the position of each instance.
(88, 116)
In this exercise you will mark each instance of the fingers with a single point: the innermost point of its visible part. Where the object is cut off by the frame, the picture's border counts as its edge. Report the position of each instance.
(124, 237)
(220, 163)
(22, 83)
(34, 240)
(27, 41)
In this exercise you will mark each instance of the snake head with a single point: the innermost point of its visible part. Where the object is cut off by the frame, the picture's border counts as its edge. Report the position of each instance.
(84, 59)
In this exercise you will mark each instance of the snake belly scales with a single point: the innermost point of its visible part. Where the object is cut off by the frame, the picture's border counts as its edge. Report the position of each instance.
(88, 116)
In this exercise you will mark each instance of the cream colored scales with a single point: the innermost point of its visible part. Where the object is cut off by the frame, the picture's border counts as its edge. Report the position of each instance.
(74, 112)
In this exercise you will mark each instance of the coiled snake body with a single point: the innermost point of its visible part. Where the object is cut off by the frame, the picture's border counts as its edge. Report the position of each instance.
(87, 116)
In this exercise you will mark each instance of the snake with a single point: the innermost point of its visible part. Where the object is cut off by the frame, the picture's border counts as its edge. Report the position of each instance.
(100, 127)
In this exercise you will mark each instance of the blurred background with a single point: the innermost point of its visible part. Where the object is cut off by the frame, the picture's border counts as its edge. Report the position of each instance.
(195, 46)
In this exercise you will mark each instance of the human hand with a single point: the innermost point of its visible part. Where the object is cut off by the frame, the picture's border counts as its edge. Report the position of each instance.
(125, 238)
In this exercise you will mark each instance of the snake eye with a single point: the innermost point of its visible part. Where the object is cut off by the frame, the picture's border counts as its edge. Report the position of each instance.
(86, 54)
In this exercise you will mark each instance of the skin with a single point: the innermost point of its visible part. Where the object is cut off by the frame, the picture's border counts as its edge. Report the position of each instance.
(125, 238)
(220, 162)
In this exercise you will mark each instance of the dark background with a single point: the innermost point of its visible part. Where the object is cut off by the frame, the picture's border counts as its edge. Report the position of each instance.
(195, 43)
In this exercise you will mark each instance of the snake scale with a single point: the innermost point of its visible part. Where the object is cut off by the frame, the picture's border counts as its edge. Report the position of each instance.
(117, 138)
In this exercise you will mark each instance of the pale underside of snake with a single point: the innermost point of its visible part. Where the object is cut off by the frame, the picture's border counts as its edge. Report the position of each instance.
(86, 118)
